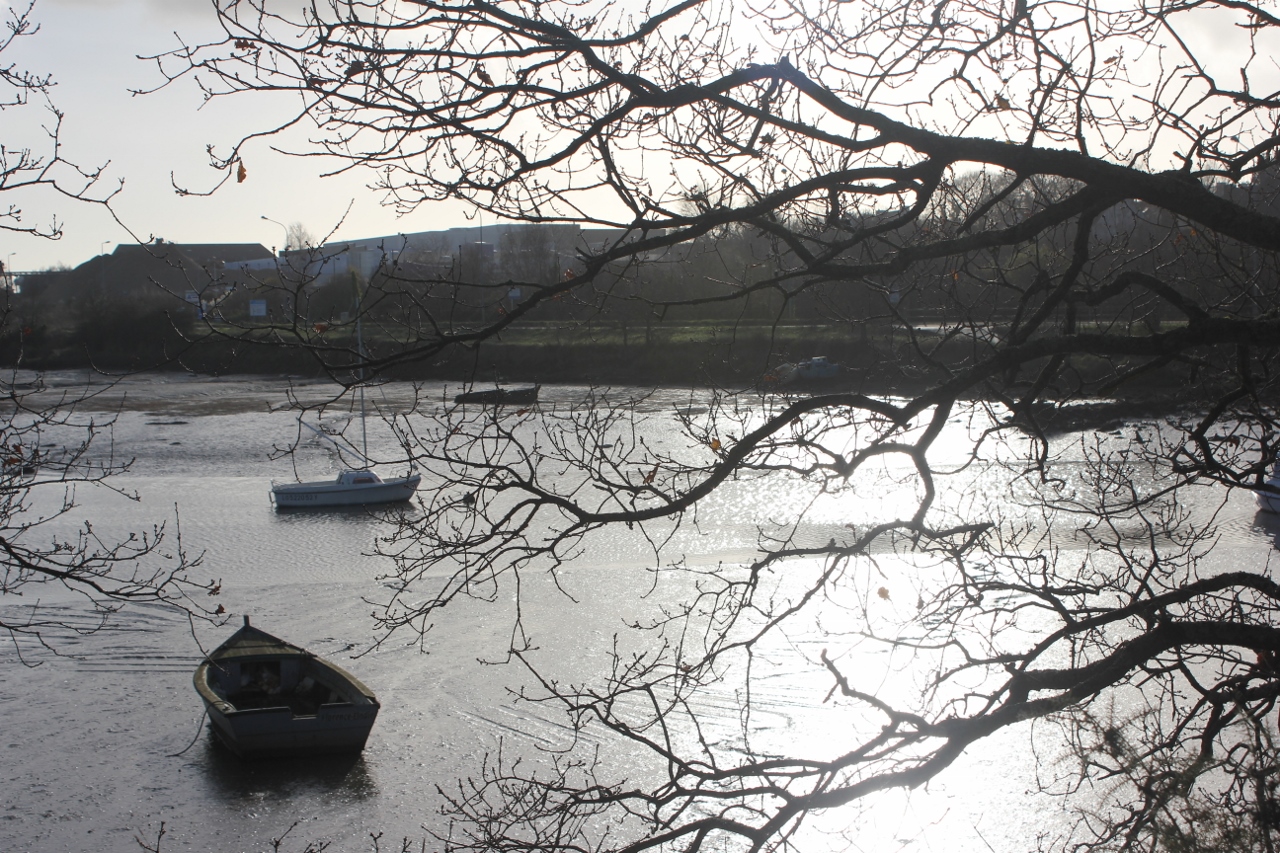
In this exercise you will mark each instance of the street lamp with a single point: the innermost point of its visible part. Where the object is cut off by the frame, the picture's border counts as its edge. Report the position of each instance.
(284, 247)
(102, 275)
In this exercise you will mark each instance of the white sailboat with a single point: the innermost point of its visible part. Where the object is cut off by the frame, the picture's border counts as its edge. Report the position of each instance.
(358, 487)
(354, 487)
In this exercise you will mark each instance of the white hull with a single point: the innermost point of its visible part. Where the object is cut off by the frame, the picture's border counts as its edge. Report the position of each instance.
(1269, 501)
(344, 493)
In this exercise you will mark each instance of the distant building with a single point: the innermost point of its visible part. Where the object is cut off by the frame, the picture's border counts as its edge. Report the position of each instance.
(440, 252)
(363, 257)
(208, 255)
(161, 259)
(149, 272)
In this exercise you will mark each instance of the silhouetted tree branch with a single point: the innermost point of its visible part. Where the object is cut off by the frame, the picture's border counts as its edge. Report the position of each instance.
(1005, 210)
(49, 444)
(27, 165)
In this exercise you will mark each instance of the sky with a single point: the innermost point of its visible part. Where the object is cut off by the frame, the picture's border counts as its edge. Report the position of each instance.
(91, 48)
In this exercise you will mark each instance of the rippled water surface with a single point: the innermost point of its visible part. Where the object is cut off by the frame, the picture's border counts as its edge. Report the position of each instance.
(106, 743)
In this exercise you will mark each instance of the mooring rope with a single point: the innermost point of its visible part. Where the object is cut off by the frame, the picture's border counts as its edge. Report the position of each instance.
(199, 729)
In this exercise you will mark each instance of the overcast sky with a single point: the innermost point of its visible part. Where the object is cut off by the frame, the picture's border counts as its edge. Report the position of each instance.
(90, 47)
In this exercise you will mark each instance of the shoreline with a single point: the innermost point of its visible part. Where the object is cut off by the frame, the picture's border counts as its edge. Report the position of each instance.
(184, 392)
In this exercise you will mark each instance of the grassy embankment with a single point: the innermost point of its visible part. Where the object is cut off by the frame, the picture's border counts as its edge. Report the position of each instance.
(687, 353)
(690, 353)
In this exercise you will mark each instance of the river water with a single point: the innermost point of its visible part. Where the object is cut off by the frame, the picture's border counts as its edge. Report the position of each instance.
(105, 743)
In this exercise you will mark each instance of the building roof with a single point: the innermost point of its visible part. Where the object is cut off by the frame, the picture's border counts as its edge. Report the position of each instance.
(203, 254)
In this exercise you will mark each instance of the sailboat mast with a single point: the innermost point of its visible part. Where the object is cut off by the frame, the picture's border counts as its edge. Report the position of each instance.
(364, 429)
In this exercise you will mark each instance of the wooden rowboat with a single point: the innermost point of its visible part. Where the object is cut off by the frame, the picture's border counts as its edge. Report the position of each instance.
(267, 697)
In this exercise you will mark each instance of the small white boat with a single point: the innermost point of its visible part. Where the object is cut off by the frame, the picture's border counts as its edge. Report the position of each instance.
(266, 697)
(816, 369)
(349, 488)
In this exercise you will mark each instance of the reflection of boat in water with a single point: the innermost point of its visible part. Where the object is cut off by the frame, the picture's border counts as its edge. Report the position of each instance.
(816, 369)
(19, 388)
(267, 697)
(345, 775)
(500, 396)
(349, 488)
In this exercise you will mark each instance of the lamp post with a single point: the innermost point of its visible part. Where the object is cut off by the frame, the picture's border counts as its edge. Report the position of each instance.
(102, 253)
(284, 246)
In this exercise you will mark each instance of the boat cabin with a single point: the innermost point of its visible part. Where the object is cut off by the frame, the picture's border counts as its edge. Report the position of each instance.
(358, 478)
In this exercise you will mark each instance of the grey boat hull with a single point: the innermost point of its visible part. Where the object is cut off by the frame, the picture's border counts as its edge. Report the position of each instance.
(279, 732)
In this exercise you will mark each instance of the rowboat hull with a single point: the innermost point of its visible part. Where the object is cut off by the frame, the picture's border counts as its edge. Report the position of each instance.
(279, 732)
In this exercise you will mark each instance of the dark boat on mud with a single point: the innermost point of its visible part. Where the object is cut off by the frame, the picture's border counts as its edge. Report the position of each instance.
(500, 396)
(267, 697)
